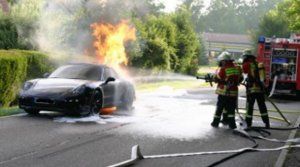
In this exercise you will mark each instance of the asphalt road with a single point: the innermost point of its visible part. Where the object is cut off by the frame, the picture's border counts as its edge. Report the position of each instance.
(163, 122)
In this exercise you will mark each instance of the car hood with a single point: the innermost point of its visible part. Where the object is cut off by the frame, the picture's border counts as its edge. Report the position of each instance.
(54, 87)
(59, 83)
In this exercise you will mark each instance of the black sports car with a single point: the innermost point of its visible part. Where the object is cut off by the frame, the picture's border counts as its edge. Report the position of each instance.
(77, 89)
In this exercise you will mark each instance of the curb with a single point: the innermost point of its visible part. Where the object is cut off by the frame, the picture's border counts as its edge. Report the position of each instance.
(283, 154)
(14, 115)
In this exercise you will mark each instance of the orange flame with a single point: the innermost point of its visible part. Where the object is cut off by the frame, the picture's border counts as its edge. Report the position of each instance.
(109, 43)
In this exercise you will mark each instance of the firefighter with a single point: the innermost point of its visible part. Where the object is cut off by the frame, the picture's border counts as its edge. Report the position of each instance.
(255, 76)
(228, 77)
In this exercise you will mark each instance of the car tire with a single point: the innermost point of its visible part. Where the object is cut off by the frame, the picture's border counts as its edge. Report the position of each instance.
(128, 98)
(32, 111)
(95, 104)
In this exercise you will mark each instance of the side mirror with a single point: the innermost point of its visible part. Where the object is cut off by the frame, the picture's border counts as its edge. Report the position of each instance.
(46, 75)
(109, 79)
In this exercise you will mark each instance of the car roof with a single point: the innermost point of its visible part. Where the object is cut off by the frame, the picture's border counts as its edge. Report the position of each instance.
(89, 64)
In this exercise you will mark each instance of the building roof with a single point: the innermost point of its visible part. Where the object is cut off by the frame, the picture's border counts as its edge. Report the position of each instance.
(227, 38)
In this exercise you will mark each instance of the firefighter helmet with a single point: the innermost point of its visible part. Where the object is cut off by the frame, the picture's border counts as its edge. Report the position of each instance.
(225, 56)
(248, 53)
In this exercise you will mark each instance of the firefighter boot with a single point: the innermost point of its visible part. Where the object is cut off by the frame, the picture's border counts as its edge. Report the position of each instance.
(248, 119)
(268, 125)
(267, 122)
(231, 123)
(215, 122)
(224, 120)
(249, 122)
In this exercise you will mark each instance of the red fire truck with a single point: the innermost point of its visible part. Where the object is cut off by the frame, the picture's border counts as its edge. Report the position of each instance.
(281, 57)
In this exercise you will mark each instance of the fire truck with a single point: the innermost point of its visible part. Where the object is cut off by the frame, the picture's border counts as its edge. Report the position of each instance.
(281, 57)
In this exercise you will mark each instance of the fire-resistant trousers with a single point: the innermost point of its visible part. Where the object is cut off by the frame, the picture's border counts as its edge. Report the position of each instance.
(260, 98)
(229, 104)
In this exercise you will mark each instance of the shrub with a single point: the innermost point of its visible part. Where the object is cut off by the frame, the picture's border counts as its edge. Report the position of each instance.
(16, 66)
(8, 33)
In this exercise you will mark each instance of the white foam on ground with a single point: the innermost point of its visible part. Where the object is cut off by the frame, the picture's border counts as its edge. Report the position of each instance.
(163, 113)
(167, 91)
(90, 119)
(171, 117)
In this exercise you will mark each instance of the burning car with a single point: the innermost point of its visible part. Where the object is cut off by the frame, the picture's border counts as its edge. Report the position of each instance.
(77, 89)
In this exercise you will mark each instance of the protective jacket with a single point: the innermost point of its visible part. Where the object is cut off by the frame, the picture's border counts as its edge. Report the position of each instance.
(255, 91)
(256, 76)
(228, 79)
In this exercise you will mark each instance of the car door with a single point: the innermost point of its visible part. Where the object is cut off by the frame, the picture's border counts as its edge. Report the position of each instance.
(119, 87)
(110, 97)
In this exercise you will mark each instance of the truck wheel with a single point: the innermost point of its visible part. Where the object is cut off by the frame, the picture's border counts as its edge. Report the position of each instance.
(32, 111)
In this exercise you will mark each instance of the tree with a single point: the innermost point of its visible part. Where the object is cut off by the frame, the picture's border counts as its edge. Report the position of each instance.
(19, 25)
(203, 59)
(196, 7)
(229, 16)
(64, 26)
(273, 23)
(253, 11)
(293, 14)
(8, 34)
(169, 42)
(25, 14)
(157, 37)
(188, 45)
(223, 17)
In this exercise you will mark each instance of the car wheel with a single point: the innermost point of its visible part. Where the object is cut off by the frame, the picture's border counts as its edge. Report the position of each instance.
(95, 104)
(128, 98)
(32, 111)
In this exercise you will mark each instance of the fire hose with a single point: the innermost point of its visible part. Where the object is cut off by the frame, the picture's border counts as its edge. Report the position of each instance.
(274, 105)
(243, 122)
(283, 111)
(136, 154)
(269, 99)
(273, 86)
(277, 109)
(270, 117)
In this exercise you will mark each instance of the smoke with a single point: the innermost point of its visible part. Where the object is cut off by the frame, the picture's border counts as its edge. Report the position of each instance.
(64, 25)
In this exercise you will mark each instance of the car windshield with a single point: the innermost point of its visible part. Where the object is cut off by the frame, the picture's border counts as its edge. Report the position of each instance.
(84, 72)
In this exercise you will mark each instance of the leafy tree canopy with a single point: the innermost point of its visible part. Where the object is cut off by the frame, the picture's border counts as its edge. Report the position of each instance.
(229, 16)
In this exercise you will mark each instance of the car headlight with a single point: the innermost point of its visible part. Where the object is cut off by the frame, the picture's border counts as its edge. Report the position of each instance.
(27, 85)
(79, 90)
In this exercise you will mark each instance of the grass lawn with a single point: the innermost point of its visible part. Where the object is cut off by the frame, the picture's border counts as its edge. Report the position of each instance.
(203, 70)
(189, 84)
(179, 84)
(10, 111)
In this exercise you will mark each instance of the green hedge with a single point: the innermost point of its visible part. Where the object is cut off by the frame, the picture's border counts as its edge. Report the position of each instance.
(8, 33)
(16, 66)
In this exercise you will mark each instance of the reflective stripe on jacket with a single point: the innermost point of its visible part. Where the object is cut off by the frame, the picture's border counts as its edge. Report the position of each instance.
(229, 77)
(250, 68)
